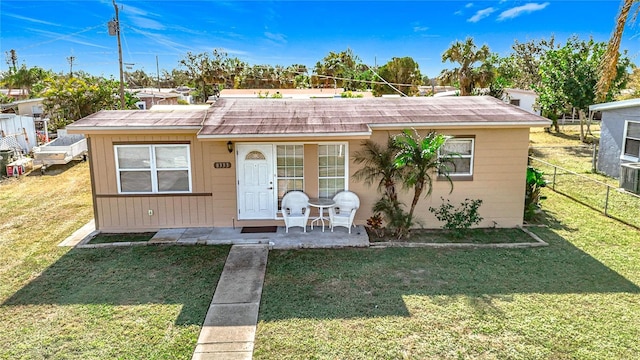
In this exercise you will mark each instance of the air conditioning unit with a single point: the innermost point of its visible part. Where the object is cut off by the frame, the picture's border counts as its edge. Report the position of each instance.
(630, 177)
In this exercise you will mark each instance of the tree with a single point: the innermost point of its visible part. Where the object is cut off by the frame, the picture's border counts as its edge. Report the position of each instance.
(402, 73)
(378, 165)
(569, 77)
(210, 73)
(418, 161)
(521, 69)
(24, 78)
(609, 65)
(467, 75)
(341, 69)
(138, 79)
(69, 99)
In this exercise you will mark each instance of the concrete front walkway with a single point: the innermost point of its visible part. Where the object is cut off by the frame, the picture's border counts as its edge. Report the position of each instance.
(229, 327)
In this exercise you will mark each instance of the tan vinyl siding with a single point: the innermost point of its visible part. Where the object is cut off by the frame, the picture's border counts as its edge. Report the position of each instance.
(500, 157)
(116, 212)
(500, 160)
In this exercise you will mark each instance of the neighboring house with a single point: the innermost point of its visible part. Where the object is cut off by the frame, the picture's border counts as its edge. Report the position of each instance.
(525, 99)
(17, 94)
(28, 107)
(149, 99)
(619, 135)
(232, 163)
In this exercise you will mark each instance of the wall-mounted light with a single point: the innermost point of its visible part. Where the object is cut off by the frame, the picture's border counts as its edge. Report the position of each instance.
(230, 146)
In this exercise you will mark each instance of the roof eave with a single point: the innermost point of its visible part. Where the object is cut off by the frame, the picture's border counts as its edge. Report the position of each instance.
(502, 124)
(350, 135)
(93, 129)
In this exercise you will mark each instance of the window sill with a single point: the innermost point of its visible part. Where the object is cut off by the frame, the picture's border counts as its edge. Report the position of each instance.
(456, 178)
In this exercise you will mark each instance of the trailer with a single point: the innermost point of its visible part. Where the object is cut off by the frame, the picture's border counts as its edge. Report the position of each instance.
(60, 151)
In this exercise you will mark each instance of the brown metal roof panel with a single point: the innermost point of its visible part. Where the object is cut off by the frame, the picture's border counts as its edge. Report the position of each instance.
(140, 118)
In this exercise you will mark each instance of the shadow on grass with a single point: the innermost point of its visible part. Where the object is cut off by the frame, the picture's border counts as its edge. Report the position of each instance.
(130, 276)
(356, 283)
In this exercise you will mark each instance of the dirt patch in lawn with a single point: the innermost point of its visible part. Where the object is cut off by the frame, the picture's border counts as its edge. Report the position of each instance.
(105, 238)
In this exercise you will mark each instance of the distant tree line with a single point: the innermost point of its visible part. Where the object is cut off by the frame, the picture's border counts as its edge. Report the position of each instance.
(563, 75)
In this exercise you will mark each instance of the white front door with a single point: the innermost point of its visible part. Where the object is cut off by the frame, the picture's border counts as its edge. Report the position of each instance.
(255, 182)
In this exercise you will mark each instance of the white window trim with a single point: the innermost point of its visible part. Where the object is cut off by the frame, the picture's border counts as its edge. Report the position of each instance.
(470, 156)
(152, 168)
(275, 173)
(346, 162)
(624, 156)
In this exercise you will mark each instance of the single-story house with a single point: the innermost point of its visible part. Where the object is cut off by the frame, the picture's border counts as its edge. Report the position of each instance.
(525, 99)
(619, 135)
(150, 98)
(232, 163)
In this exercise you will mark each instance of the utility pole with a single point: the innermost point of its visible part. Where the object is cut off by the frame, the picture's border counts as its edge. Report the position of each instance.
(71, 59)
(114, 29)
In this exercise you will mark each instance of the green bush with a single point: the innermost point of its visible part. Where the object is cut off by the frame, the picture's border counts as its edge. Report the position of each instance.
(535, 182)
(458, 219)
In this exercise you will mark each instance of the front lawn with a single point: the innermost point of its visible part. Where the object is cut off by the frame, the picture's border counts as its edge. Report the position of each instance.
(120, 303)
(577, 298)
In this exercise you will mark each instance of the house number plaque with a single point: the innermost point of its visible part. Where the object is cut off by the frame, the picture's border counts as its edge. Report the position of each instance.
(222, 165)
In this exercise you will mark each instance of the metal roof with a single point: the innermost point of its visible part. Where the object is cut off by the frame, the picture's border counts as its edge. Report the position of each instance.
(261, 117)
(615, 105)
(238, 118)
(140, 119)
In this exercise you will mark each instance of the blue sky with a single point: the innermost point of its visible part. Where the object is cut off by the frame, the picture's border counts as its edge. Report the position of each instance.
(46, 32)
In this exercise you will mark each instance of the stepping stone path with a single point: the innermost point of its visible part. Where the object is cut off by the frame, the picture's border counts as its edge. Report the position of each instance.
(229, 328)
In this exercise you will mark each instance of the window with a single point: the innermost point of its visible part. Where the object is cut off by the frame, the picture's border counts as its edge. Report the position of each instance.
(515, 102)
(461, 152)
(332, 169)
(153, 168)
(290, 169)
(631, 141)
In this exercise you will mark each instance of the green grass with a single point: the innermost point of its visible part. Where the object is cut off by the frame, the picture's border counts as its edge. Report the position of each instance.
(576, 299)
(104, 238)
(120, 303)
(566, 151)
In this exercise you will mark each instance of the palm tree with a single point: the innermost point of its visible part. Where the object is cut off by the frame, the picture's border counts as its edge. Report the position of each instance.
(609, 65)
(418, 160)
(467, 55)
(378, 166)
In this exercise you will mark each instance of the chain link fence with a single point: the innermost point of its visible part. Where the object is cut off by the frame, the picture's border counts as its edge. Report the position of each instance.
(612, 201)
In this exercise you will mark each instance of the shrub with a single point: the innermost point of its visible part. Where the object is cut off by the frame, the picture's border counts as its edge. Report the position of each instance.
(535, 183)
(458, 219)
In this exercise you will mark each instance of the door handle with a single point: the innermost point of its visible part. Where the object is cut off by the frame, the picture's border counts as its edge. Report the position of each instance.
(270, 188)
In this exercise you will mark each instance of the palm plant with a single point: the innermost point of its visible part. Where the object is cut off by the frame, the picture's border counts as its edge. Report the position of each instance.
(609, 64)
(378, 166)
(466, 75)
(418, 160)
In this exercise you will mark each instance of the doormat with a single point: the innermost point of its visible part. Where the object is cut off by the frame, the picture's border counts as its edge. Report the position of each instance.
(258, 229)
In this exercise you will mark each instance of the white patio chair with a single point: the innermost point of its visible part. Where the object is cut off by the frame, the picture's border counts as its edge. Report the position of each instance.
(295, 209)
(344, 211)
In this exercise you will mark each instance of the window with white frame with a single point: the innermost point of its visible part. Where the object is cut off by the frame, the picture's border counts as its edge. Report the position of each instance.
(332, 169)
(289, 169)
(161, 168)
(631, 140)
(460, 151)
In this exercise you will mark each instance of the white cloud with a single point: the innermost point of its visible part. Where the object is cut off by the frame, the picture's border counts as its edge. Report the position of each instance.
(468, 5)
(38, 21)
(280, 38)
(70, 38)
(519, 10)
(419, 28)
(145, 23)
(481, 14)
